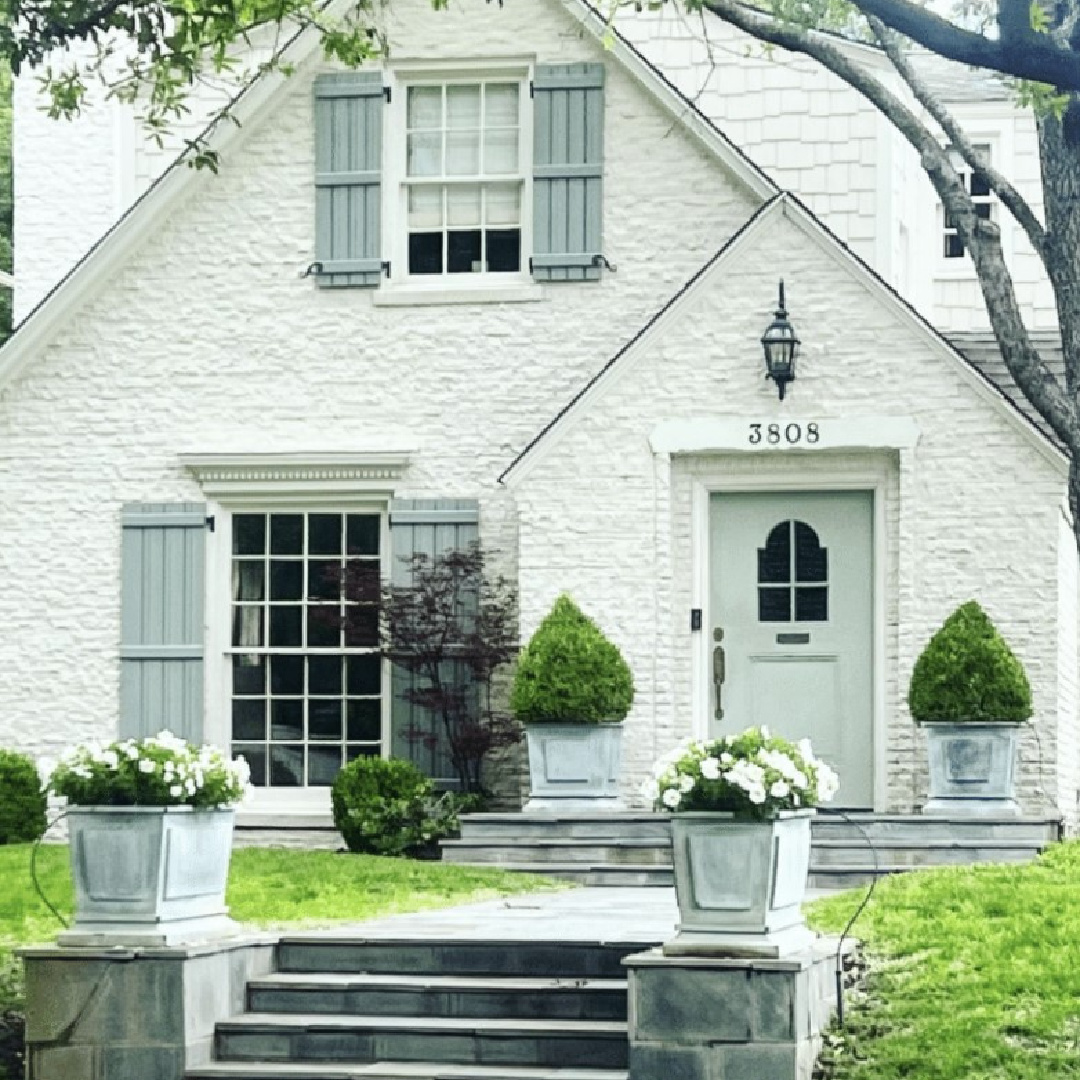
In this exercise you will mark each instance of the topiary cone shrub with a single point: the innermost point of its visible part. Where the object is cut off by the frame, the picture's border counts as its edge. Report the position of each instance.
(22, 801)
(570, 672)
(967, 672)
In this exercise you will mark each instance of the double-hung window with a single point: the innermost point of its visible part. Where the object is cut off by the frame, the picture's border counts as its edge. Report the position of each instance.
(464, 184)
(981, 196)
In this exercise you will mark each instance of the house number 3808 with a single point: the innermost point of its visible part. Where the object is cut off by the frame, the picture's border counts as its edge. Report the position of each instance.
(787, 434)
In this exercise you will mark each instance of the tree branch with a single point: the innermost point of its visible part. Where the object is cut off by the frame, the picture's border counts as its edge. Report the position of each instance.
(982, 238)
(1025, 55)
(1013, 201)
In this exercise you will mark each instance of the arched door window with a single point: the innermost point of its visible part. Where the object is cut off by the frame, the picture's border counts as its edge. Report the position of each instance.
(793, 574)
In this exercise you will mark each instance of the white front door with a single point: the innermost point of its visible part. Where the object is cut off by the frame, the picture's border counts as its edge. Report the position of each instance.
(792, 634)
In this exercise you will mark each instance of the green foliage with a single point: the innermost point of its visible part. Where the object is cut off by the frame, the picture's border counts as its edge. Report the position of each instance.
(974, 974)
(22, 802)
(390, 808)
(968, 672)
(570, 672)
(161, 770)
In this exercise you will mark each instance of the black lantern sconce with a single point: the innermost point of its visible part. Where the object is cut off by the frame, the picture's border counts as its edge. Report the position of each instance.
(780, 345)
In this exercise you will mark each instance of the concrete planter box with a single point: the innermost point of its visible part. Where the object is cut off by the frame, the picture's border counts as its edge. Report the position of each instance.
(149, 875)
(740, 884)
(574, 766)
(972, 769)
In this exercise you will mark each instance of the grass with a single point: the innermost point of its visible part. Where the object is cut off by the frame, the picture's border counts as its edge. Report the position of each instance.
(267, 887)
(975, 974)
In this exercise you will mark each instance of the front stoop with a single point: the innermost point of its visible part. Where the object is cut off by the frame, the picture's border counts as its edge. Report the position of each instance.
(635, 848)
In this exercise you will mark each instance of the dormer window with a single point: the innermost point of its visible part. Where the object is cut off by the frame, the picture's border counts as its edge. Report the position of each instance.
(978, 188)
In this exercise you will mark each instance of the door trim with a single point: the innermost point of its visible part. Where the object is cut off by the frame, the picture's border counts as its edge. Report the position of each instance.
(873, 478)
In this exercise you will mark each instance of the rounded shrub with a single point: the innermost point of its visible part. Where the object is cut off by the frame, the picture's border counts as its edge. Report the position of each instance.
(968, 672)
(570, 672)
(22, 801)
(389, 808)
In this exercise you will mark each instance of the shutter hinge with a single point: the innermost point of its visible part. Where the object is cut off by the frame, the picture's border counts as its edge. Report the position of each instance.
(210, 522)
(386, 267)
(530, 264)
(386, 93)
(532, 89)
(601, 260)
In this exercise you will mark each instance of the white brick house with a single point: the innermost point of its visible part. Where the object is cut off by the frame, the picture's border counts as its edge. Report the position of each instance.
(609, 430)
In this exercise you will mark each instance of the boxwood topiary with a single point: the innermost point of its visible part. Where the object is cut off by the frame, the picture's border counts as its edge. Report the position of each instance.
(569, 672)
(22, 802)
(390, 808)
(968, 672)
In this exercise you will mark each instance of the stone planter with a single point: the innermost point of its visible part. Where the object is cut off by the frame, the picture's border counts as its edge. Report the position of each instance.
(972, 769)
(740, 884)
(149, 875)
(574, 766)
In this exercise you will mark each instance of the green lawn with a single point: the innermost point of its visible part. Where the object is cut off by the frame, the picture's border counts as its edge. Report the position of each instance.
(975, 974)
(267, 887)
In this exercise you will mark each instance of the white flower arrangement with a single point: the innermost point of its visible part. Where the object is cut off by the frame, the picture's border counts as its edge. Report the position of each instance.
(161, 770)
(753, 774)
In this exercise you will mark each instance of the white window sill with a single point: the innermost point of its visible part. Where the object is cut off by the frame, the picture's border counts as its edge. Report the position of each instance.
(963, 272)
(431, 295)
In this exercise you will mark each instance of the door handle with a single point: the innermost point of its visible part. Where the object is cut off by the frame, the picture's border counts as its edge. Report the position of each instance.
(719, 669)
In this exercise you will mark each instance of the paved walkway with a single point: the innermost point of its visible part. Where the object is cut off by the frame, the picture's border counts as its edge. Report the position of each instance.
(640, 915)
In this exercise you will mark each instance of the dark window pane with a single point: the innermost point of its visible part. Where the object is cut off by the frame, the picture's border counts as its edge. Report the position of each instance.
(324, 626)
(324, 720)
(365, 674)
(425, 253)
(774, 559)
(286, 534)
(363, 534)
(285, 626)
(248, 580)
(811, 559)
(463, 252)
(249, 719)
(979, 185)
(503, 250)
(365, 720)
(983, 210)
(324, 763)
(353, 752)
(362, 625)
(248, 674)
(324, 674)
(363, 581)
(324, 579)
(286, 766)
(255, 756)
(812, 605)
(247, 626)
(287, 675)
(249, 534)
(954, 247)
(774, 605)
(286, 720)
(286, 579)
(324, 534)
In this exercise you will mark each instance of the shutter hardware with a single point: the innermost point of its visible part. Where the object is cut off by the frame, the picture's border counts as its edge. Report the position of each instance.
(210, 522)
(386, 94)
(597, 260)
(313, 270)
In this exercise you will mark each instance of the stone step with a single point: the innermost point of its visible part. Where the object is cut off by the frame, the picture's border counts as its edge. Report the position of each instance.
(310, 1037)
(440, 995)
(643, 825)
(835, 878)
(601, 875)
(336, 953)
(624, 850)
(922, 829)
(389, 1070)
(906, 855)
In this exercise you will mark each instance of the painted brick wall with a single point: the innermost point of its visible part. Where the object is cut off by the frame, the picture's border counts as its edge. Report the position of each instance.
(971, 511)
(209, 341)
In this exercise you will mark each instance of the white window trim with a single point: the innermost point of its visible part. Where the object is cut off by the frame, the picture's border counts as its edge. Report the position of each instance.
(244, 483)
(400, 289)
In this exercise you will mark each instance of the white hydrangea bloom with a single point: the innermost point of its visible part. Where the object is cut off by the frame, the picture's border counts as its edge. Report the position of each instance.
(686, 784)
(146, 766)
(650, 789)
(176, 791)
(779, 789)
(672, 798)
(710, 768)
(756, 794)
(726, 758)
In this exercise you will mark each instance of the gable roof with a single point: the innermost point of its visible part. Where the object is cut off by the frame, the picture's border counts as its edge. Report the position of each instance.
(790, 206)
(258, 99)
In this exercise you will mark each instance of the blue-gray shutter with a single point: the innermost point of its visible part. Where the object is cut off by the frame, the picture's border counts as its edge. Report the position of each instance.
(348, 162)
(434, 527)
(161, 619)
(568, 162)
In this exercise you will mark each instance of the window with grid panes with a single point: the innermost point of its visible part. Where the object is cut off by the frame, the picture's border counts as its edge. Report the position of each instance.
(307, 682)
(463, 178)
(793, 575)
(981, 195)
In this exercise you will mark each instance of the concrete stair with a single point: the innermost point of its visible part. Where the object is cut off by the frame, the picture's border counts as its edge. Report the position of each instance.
(635, 848)
(339, 1007)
